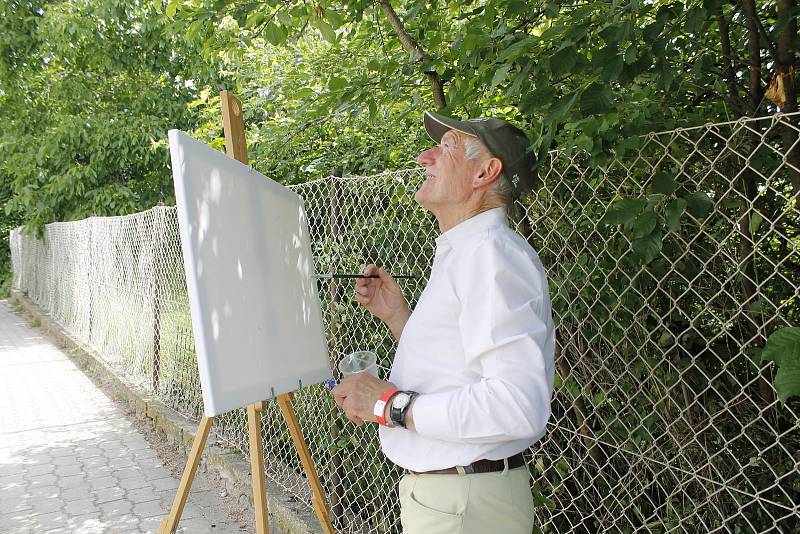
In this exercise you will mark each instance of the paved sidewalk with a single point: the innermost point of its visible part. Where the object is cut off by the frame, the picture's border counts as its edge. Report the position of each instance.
(70, 459)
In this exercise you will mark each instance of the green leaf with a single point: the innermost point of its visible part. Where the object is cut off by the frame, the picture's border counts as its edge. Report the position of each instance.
(695, 19)
(172, 7)
(274, 33)
(336, 83)
(562, 61)
(663, 182)
(254, 19)
(326, 30)
(623, 211)
(673, 214)
(516, 49)
(782, 346)
(597, 99)
(755, 222)
(645, 223)
(699, 204)
(285, 18)
(613, 68)
(648, 247)
(787, 380)
(500, 75)
(561, 108)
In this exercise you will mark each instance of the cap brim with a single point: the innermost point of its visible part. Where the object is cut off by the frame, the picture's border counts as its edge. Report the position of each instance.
(437, 125)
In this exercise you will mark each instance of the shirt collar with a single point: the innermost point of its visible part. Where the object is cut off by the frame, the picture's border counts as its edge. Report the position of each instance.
(464, 231)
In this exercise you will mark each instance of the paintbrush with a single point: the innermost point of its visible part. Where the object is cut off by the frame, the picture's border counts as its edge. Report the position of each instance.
(346, 275)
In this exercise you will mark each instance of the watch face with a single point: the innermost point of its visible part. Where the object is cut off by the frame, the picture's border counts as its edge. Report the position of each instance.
(400, 400)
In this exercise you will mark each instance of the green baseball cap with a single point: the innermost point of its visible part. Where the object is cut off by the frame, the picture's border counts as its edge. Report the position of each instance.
(504, 140)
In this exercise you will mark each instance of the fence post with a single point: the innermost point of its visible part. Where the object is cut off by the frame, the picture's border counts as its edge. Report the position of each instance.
(337, 465)
(158, 237)
(90, 277)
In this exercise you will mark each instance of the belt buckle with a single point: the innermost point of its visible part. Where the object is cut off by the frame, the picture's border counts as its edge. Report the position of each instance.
(469, 469)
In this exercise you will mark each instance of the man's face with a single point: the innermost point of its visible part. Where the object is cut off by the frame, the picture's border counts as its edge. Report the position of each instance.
(448, 173)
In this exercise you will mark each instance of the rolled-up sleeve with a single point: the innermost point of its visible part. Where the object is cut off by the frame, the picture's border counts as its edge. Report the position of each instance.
(507, 334)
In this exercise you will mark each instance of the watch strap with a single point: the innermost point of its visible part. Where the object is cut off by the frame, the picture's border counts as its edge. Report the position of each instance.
(380, 405)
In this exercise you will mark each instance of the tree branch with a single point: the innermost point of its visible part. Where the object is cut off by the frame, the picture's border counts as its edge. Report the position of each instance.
(412, 47)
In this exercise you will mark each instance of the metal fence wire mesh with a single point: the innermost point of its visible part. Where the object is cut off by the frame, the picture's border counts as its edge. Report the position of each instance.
(664, 417)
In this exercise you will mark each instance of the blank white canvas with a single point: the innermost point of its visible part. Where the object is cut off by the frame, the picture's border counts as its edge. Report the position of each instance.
(250, 275)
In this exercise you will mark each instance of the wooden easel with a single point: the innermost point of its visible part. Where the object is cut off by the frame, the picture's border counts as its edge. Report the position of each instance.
(236, 147)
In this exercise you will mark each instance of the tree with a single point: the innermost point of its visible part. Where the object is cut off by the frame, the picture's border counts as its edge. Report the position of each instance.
(88, 92)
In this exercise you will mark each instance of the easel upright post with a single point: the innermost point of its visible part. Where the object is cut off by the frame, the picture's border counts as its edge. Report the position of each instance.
(236, 147)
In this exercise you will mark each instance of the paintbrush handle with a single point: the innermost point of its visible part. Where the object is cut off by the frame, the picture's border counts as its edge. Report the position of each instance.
(343, 275)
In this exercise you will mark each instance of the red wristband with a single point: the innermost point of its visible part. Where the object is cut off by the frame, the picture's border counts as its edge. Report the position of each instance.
(380, 405)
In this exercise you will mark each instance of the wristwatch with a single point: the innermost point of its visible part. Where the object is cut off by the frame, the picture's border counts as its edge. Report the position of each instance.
(399, 405)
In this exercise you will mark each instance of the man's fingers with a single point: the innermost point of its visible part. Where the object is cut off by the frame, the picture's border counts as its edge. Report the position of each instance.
(357, 420)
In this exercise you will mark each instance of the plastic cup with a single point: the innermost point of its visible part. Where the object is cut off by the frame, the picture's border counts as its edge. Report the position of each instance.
(359, 362)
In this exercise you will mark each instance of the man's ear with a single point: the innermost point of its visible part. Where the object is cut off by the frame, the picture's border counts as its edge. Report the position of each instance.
(489, 171)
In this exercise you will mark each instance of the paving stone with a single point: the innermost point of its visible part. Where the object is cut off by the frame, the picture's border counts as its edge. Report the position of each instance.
(10, 505)
(133, 483)
(40, 469)
(108, 494)
(44, 522)
(44, 505)
(80, 507)
(90, 452)
(150, 525)
(73, 481)
(102, 482)
(122, 462)
(75, 494)
(69, 470)
(42, 480)
(127, 472)
(167, 483)
(43, 492)
(125, 523)
(87, 524)
(140, 495)
(150, 509)
(116, 508)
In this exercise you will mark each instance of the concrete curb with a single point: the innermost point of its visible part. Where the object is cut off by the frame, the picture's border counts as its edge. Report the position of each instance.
(286, 513)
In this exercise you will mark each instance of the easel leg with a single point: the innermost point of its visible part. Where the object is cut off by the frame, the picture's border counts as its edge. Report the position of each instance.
(170, 523)
(257, 468)
(317, 495)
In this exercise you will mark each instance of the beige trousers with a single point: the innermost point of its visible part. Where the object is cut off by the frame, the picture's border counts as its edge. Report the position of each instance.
(494, 503)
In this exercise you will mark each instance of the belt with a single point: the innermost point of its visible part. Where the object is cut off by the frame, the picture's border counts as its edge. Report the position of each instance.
(481, 466)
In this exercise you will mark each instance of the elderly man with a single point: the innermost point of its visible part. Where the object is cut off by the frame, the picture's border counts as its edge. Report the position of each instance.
(472, 379)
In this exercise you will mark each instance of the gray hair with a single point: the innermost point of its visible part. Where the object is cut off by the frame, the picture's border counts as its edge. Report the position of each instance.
(501, 191)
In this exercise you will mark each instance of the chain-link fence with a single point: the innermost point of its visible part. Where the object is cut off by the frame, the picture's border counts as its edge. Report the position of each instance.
(668, 270)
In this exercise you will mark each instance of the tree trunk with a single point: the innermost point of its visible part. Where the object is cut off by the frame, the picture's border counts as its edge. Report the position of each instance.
(729, 62)
(412, 47)
(753, 56)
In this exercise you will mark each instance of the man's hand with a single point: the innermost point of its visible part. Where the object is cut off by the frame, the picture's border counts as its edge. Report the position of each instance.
(383, 298)
(357, 395)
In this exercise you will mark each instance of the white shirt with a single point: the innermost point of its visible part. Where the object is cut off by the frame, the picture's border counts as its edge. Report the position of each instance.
(478, 348)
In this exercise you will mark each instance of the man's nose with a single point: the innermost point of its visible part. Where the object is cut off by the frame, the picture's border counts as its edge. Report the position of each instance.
(426, 157)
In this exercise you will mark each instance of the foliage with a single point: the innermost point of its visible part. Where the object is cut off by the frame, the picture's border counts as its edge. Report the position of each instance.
(88, 92)
(783, 348)
(589, 75)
